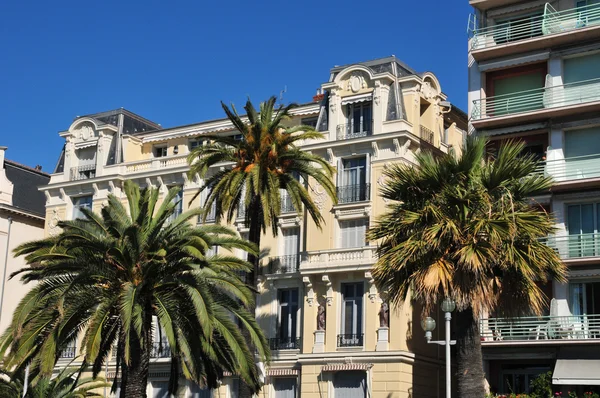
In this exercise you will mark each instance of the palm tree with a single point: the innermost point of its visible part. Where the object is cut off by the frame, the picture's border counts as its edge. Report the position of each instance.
(464, 227)
(106, 276)
(264, 163)
(66, 384)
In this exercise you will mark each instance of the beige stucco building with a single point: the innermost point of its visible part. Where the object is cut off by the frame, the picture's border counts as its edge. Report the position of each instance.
(371, 114)
(21, 220)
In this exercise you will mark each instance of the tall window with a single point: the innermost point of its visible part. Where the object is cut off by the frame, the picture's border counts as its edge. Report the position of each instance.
(352, 185)
(352, 233)
(160, 151)
(291, 243)
(195, 391)
(350, 384)
(287, 318)
(160, 389)
(285, 387)
(80, 203)
(583, 221)
(178, 202)
(352, 314)
(585, 298)
(359, 119)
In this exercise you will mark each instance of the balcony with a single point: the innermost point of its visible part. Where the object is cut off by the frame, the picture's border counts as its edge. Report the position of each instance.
(552, 28)
(284, 343)
(543, 329)
(350, 340)
(338, 260)
(427, 135)
(68, 352)
(537, 104)
(353, 193)
(572, 247)
(160, 350)
(581, 170)
(84, 172)
(284, 264)
(351, 131)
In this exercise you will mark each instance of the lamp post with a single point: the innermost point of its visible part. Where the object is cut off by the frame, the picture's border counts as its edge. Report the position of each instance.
(428, 325)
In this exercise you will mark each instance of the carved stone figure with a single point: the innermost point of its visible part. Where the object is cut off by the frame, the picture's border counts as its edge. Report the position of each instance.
(384, 315)
(321, 317)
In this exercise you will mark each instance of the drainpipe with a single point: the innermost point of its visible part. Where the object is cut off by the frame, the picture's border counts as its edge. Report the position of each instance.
(10, 220)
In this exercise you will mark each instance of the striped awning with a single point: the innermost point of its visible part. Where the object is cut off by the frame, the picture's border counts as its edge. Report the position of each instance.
(227, 374)
(357, 98)
(337, 367)
(283, 372)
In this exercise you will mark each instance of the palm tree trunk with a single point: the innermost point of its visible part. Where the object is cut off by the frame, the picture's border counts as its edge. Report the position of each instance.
(470, 375)
(135, 375)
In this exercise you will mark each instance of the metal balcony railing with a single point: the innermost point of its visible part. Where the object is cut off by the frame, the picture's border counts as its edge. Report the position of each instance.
(350, 131)
(537, 99)
(573, 168)
(549, 23)
(284, 264)
(287, 206)
(353, 193)
(211, 216)
(350, 340)
(575, 246)
(580, 327)
(84, 172)
(68, 352)
(426, 134)
(284, 343)
(159, 350)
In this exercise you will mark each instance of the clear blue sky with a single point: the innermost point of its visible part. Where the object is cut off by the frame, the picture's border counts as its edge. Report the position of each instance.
(173, 61)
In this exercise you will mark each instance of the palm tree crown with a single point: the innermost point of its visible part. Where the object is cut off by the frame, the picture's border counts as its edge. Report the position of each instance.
(107, 277)
(465, 227)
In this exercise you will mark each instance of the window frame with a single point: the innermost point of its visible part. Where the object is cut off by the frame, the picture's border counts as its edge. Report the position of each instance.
(76, 206)
(164, 151)
(293, 331)
(358, 326)
(341, 223)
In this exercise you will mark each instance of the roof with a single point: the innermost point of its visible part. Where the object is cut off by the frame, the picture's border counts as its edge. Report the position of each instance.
(26, 181)
(377, 64)
(132, 122)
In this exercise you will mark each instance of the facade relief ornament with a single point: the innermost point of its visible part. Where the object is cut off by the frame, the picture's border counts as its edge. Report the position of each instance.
(53, 220)
(329, 296)
(310, 293)
(427, 90)
(319, 196)
(356, 82)
(381, 184)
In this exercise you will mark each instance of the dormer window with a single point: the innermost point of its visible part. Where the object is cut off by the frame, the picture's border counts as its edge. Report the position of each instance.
(195, 143)
(160, 151)
(359, 121)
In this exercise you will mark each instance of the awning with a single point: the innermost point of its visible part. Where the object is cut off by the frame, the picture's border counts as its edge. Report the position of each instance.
(357, 98)
(513, 61)
(337, 367)
(577, 372)
(282, 372)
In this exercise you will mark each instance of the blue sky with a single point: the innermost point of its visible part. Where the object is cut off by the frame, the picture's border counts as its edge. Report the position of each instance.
(172, 62)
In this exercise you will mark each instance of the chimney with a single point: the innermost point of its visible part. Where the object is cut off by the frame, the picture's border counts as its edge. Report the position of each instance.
(2, 150)
(38, 167)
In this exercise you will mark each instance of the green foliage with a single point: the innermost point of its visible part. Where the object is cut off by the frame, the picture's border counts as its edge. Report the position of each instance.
(106, 276)
(541, 386)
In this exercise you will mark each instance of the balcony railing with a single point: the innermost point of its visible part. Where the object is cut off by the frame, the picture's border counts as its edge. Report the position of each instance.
(284, 343)
(284, 264)
(287, 206)
(159, 350)
(350, 340)
(579, 327)
(550, 23)
(353, 193)
(350, 131)
(68, 352)
(211, 216)
(573, 168)
(83, 172)
(338, 258)
(575, 246)
(537, 99)
(426, 134)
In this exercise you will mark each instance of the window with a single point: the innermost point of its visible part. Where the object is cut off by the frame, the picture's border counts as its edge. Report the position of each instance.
(80, 203)
(212, 251)
(519, 379)
(352, 184)
(285, 387)
(350, 384)
(359, 119)
(507, 86)
(178, 202)
(518, 28)
(195, 391)
(238, 137)
(352, 233)
(287, 320)
(352, 315)
(585, 298)
(160, 389)
(582, 150)
(195, 143)
(581, 75)
(310, 121)
(234, 388)
(291, 243)
(582, 224)
(160, 151)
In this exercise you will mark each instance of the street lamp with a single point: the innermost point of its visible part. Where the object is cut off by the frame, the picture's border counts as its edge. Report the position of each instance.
(428, 325)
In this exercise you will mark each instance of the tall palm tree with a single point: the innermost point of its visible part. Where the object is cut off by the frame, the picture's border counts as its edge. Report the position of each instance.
(464, 227)
(105, 277)
(68, 383)
(265, 162)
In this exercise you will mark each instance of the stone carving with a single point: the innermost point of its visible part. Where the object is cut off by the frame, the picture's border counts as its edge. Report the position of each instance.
(321, 317)
(384, 315)
(84, 132)
(53, 228)
(356, 82)
(381, 184)
(319, 196)
(427, 90)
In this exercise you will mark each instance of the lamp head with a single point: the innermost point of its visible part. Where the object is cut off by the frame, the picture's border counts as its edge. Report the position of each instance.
(448, 305)
(428, 324)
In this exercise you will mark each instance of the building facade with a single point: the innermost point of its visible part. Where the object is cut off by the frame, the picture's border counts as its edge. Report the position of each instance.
(22, 209)
(328, 328)
(534, 76)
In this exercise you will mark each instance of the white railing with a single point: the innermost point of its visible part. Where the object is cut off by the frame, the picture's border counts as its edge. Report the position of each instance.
(152, 164)
(575, 246)
(338, 258)
(572, 168)
(545, 328)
